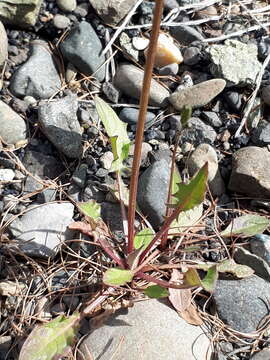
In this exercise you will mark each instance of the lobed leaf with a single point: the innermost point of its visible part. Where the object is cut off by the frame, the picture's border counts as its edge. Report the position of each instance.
(246, 225)
(116, 130)
(90, 209)
(49, 340)
(117, 277)
(156, 292)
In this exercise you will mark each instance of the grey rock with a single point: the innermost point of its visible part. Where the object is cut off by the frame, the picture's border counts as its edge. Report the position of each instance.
(127, 46)
(260, 245)
(38, 76)
(61, 22)
(192, 55)
(140, 330)
(235, 62)
(59, 123)
(197, 132)
(130, 116)
(113, 11)
(234, 100)
(262, 355)
(261, 134)
(12, 126)
(106, 160)
(212, 119)
(171, 4)
(154, 180)
(82, 48)
(266, 94)
(145, 150)
(46, 195)
(185, 35)
(42, 167)
(111, 214)
(260, 267)
(67, 5)
(82, 10)
(93, 192)
(242, 304)
(188, 2)
(21, 13)
(3, 44)
(169, 70)
(71, 302)
(40, 231)
(197, 95)
(255, 115)
(129, 79)
(110, 91)
(6, 174)
(79, 176)
(206, 153)
(251, 172)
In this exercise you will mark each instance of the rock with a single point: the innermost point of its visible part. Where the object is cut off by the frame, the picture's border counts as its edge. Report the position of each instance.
(79, 176)
(67, 5)
(61, 21)
(169, 70)
(71, 302)
(171, 4)
(212, 119)
(140, 43)
(130, 116)
(251, 172)
(242, 304)
(260, 267)
(59, 123)
(110, 92)
(82, 48)
(21, 13)
(167, 52)
(185, 35)
(192, 55)
(111, 215)
(127, 46)
(3, 44)
(154, 181)
(106, 160)
(206, 153)
(129, 79)
(82, 10)
(261, 134)
(235, 62)
(145, 150)
(260, 245)
(113, 11)
(6, 174)
(12, 126)
(262, 355)
(266, 94)
(42, 167)
(140, 329)
(197, 132)
(207, 12)
(41, 230)
(38, 76)
(197, 95)
(234, 100)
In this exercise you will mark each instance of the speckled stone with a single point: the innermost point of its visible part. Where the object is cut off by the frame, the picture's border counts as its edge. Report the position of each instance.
(3, 44)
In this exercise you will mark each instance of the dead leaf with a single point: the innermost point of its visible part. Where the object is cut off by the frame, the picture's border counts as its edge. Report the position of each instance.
(191, 316)
(81, 226)
(179, 298)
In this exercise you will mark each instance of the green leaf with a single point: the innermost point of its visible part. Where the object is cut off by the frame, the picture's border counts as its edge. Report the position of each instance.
(91, 209)
(49, 340)
(116, 130)
(191, 277)
(246, 225)
(117, 277)
(230, 266)
(192, 194)
(143, 238)
(209, 281)
(156, 292)
(185, 116)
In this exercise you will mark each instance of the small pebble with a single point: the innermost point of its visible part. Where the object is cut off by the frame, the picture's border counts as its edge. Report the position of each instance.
(266, 94)
(169, 70)
(67, 5)
(30, 100)
(61, 22)
(140, 43)
(6, 174)
(192, 55)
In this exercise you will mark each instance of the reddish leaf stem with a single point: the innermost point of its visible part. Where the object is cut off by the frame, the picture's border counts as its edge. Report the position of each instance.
(141, 120)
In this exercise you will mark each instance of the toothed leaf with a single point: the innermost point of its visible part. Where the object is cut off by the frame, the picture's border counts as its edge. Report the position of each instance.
(246, 225)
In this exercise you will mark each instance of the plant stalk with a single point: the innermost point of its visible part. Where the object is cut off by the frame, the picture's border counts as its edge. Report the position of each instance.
(141, 120)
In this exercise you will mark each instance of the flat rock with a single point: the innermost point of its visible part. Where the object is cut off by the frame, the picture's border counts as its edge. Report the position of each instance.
(129, 79)
(242, 304)
(251, 172)
(41, 166)
(260, 245)
(82, 48)
(202, 154)
(197, 132)
(262, 355)
(67, 5)
(40, 231)
(150, 330)
(3, 44)
(197, 95)
(185, 34)
(21, 13)
(12, 126)
(261, 134)
(59, 123)
(130, 116)
(235, 62)
(38, 76)
(113, 11)
(153, 191)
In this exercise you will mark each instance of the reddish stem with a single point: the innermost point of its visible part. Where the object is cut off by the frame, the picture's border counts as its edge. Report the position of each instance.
(163, 283)
(141, 120)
